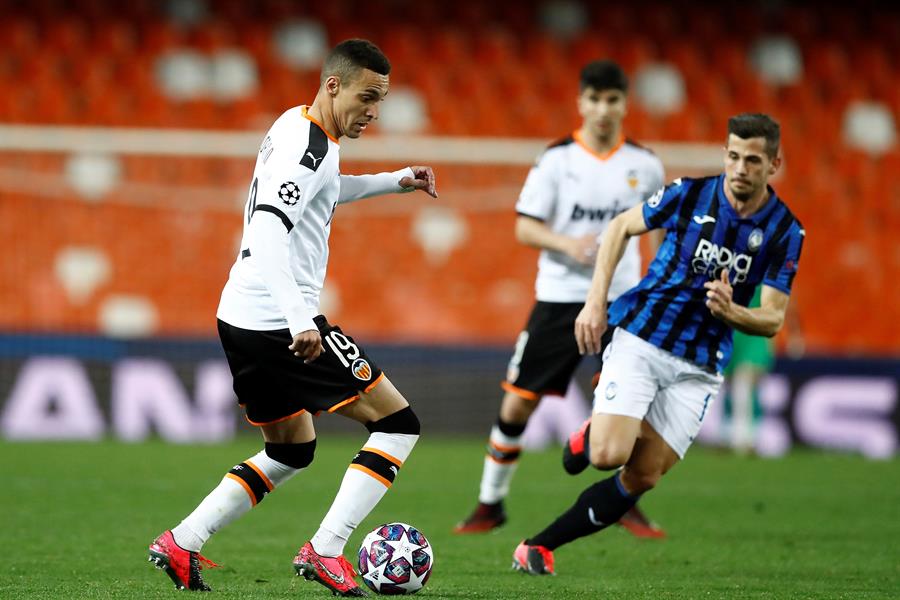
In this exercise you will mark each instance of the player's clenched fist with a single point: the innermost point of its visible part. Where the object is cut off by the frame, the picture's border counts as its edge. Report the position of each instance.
(423, 180)
(718, 295)
(307, 345)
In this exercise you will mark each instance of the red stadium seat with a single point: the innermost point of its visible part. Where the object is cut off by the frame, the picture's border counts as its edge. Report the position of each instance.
(826, 62)
(20, 35)
(450, 45)
(67, 35)
(215, 35)
(633, 51)
(588, 48)
(543, 53)
(404, 45)
(685, 55)
(495, 47)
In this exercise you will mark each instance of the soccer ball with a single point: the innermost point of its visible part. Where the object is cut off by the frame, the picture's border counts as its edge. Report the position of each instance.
(395, 558)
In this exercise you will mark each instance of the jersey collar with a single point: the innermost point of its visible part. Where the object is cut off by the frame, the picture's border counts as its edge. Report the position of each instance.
(576, 135)
(319, 125)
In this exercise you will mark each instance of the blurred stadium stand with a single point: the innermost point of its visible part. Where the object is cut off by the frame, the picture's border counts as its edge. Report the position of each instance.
(132, 244)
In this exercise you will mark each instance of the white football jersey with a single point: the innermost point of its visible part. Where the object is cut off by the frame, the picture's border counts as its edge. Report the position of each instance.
(280, 269)
(576, 192)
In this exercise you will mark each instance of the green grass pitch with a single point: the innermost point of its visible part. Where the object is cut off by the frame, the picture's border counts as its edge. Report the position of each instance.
(77, 519)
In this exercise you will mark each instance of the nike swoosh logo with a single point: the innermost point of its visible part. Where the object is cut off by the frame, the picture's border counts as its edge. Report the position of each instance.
(704, 219)
(594, 519)
(336, 578)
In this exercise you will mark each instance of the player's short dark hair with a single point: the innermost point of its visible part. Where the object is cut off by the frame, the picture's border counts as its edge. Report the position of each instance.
(351, 56)
(603, 75)
(751, 125)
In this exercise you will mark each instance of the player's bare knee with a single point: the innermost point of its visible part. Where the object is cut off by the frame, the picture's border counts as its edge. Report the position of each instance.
(404, 421)
(516, 409)
(638, 482)
(605, 457)
(296, 456)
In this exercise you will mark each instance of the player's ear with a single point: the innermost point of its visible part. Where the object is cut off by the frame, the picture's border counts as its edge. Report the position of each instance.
(333, 85)
(775, 164)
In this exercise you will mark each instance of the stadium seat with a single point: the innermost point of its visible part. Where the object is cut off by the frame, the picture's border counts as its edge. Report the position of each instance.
(633, 51)
(542, 53)
(588, 48)
(827, 63)
(496, 47)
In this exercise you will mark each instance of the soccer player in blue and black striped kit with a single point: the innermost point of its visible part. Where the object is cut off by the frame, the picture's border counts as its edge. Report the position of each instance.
(725, 235)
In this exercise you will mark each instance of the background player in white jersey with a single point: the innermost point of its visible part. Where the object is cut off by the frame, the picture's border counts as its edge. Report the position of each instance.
(288, 362)
(578, 185)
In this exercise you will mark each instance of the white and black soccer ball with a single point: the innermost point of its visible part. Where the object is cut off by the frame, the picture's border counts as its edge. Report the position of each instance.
(395, 558)
(289, 193)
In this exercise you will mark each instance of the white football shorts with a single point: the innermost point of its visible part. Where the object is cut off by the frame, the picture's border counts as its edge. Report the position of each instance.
(645, 382)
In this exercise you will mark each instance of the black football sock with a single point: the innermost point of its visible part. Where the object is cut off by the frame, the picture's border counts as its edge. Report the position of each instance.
(597, 507)
(510, 429)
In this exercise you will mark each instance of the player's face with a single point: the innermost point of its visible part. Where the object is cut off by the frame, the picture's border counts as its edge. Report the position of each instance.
(356, 102)
(747, 166)
(602, 111)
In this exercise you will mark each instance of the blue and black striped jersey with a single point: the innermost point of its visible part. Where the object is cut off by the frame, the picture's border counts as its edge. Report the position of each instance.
(704, 235)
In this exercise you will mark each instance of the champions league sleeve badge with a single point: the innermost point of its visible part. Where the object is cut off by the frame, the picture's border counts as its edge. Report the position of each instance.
(289, 193)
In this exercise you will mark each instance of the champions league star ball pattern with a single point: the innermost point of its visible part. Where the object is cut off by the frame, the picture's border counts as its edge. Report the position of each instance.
(395, 559)
(289, 193)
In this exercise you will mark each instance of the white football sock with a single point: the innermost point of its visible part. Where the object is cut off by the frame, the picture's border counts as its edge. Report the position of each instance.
(367, 479)
(230, 499)
(500, 465)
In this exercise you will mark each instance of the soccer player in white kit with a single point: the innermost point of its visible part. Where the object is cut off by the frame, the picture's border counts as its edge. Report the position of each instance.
(577, 186)
(287, 361)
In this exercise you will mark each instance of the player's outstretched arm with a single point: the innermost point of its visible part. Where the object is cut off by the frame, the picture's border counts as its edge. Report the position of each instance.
(765, 320)
(591, 321)
(408, 179)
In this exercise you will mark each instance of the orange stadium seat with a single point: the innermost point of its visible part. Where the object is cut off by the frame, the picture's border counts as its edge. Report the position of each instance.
(701, 23)
(543, 53)
(20, 36)
(826, 62)
(114, 38)
(495, 47)
(590, 47)
(686, 56)
(449, 45)
(67, 35)
(730, 62)
(215, 35)
(404, 45)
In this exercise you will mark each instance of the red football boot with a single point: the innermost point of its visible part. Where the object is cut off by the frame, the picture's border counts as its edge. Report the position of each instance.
(485, 517)
(574, 460)
(182, 566)
(639, 525)
(335, 573)
(534, 560)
